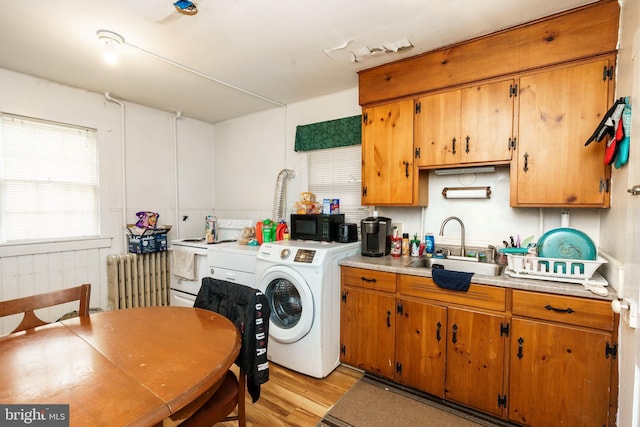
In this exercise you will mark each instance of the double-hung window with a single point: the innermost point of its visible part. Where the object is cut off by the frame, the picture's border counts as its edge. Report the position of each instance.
(48, 180)
(335, 173)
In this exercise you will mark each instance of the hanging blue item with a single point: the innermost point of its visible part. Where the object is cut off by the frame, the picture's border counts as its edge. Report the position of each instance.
(186, 7)
(622, 156)
(616, 125)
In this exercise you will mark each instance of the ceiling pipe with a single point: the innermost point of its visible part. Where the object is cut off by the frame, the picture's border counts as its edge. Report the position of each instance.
(176, 116)
(110, 36)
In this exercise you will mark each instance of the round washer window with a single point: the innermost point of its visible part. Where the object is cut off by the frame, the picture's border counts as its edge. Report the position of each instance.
(286, 304)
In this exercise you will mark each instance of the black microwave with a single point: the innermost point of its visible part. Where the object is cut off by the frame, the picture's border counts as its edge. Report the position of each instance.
(316, 227)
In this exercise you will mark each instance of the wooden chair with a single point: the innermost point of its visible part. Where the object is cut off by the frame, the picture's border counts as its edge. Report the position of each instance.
(27, 305)
(216, 295)
(220, 404)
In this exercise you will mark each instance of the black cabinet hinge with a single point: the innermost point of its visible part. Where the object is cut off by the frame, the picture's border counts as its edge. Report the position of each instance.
(418, 108)
(418, 153)
(364, 191)
(399, 308)
(607, 72)
(611, 350)
(604, 185)
(343, 349)
(504, 330)
(502, 400)
(365, 117)
(513, 90)
(399, 368)
(512, 144)
(344, 297)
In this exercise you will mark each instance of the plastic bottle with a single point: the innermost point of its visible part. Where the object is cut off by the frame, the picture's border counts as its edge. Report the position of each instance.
(396, 243)
(267, 235)
(429, 244)
(406, 245)
(415, 246)
(282, 230)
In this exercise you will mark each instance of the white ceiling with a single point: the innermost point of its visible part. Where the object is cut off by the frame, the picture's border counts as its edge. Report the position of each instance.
(280, 50)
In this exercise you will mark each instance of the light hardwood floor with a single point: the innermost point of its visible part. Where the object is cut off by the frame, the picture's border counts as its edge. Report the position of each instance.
(293, 399)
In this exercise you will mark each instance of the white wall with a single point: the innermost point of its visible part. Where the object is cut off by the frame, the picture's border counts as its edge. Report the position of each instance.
(620, 227)
(150, 184)
(486, 221)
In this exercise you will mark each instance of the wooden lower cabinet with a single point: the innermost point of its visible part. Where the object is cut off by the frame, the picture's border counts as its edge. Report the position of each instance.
(367, 319)
(548, 361)
(475, 360)
(560, 373)
(421, 346)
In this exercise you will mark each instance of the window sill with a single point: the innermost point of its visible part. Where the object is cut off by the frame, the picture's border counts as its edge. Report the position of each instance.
(32, 248)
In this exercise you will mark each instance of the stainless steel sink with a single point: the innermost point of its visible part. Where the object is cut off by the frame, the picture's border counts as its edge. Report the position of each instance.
(472, 266)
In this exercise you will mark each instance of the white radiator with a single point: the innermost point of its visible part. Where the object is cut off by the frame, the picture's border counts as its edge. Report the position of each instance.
(138, 280)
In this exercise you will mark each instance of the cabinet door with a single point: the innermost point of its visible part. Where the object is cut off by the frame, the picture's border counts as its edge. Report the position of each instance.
(487, 122)
(367, 330)
(387, 154)
(560, 375)
(559, 110)
(438, 129)
(421, 340)
(475, 360)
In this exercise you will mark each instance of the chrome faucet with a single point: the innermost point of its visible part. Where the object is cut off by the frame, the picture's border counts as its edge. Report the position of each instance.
(463, 251)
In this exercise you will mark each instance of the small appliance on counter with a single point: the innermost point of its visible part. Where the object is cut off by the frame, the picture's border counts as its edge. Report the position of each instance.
(316, 227)
(348, 233)
(376, 236)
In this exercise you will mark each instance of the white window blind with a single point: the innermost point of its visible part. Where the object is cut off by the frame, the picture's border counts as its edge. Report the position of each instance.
(48, 180)
(335, 173)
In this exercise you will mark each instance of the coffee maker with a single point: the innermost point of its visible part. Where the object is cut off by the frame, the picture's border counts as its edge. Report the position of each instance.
(376, 235)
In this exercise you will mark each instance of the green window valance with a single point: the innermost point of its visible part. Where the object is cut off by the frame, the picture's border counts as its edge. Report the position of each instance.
(329, 134)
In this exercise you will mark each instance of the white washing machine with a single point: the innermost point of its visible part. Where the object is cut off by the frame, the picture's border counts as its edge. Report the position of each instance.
(301, 280)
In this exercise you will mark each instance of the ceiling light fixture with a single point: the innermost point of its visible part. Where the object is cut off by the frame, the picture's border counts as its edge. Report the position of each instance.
(111, 41)
(115, 39)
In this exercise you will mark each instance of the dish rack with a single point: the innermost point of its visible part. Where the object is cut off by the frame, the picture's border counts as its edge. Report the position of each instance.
(559, 269)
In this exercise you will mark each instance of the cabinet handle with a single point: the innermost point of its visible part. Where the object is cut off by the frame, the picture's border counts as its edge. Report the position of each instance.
(388, 318)
(454, 338)
(453, 146)
(526, 162)
(438, 327)
(467, 147)
(366, 279)
(406, 169)
(520, 341)
(559, 310)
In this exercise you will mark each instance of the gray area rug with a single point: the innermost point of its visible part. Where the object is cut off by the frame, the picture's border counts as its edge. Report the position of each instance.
(372, 403)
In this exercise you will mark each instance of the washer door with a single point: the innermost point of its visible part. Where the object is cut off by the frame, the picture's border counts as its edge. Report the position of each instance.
(291, 303)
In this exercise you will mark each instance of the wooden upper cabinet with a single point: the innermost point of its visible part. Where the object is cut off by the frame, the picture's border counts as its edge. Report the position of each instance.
(587, 31)
(487, 122)
(387, 154)
(438, 129)
(559, 110)
(466, 126)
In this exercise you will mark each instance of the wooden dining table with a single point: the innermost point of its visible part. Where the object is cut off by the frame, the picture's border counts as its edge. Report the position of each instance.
(135, 366)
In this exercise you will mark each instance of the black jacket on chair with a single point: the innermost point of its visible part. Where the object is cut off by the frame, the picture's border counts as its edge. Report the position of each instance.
(248, 309)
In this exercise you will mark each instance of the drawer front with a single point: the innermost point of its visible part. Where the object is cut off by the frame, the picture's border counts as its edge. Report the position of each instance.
(481, 296)
(564, 309)
(368, 279)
